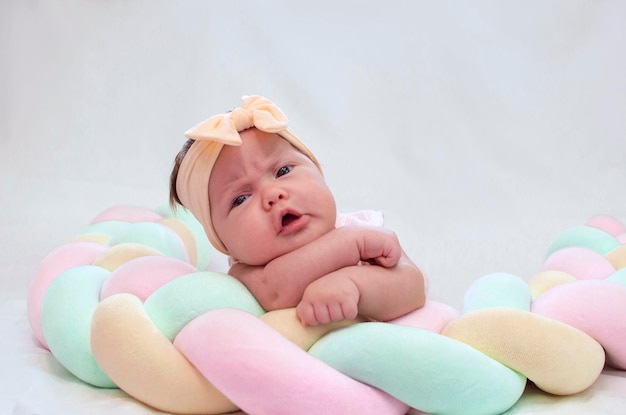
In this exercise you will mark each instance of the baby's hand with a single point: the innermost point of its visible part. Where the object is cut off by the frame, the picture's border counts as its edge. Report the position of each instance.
(329, 299)
(379, 246)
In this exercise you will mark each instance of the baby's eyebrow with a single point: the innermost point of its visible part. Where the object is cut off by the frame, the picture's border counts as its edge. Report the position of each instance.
(225, 188)
(228, 190)
(232, 175)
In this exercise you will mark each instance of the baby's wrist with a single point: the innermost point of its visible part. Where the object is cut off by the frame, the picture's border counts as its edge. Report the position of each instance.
(352, 243)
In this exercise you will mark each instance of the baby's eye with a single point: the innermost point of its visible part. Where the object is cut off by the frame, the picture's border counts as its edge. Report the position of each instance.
(239, 200)
(283, 170)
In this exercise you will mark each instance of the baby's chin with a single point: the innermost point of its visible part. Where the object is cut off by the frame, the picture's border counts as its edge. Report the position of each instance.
(265, 254)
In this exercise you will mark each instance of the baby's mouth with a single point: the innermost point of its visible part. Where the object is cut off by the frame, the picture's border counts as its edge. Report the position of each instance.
(289, 218)
(293, 222)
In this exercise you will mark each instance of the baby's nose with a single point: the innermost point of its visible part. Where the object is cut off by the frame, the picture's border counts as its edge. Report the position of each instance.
(272, 195)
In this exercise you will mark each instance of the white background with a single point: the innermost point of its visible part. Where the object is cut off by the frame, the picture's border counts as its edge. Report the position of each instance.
(481, 129)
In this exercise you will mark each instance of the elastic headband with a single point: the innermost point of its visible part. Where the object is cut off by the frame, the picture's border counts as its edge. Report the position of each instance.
(192, 183)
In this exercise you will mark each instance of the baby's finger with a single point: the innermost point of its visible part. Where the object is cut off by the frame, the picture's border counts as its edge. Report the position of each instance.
(388, 261)
(306, 314)
(322, 314)
(349, 311)
(335, 312)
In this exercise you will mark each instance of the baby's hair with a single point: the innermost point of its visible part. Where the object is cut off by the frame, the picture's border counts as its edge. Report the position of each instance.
(174, 199)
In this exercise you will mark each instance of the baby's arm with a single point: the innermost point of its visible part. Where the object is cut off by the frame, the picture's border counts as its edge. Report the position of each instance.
(281, 282)
(373, 291)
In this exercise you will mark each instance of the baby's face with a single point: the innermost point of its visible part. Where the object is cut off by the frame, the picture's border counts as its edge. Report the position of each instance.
(267, 198)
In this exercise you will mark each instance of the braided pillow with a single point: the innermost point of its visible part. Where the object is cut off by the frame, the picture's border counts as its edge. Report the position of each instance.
(135, 302)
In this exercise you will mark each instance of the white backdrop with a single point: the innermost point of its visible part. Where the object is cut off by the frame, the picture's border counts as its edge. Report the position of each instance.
(481, 129)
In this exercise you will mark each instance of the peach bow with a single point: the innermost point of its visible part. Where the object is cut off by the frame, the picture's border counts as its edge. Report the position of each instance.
(256, 111)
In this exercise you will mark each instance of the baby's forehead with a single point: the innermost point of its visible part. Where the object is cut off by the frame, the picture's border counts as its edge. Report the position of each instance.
(254, 152)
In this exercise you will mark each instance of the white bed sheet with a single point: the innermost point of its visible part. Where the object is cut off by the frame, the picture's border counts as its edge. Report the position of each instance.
(481, 130)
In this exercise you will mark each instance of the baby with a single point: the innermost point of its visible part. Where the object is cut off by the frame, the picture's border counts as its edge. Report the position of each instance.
(262, 199)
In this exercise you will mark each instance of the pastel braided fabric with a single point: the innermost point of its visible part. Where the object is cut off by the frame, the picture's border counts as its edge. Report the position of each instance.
(134, 302)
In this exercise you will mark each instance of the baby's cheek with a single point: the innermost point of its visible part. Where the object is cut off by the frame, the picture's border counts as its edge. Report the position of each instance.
(252, 248)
